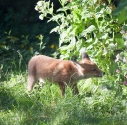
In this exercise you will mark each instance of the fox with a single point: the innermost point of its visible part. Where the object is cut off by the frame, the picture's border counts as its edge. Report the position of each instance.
(61, 72)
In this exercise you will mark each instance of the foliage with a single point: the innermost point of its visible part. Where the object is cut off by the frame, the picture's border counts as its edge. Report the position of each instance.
(21, 33)
(44, 106)
(88, 25)
(121, 11)
(93, 26)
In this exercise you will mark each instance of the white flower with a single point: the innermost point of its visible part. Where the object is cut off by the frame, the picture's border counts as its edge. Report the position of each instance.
(36, 8)
(124, 60)
(118, 56)
(39, 3)
(125, 43)
(116, 60)
(115, 44)
(41, 17)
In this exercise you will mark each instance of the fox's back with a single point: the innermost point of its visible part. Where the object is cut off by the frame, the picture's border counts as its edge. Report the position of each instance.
(54, 70)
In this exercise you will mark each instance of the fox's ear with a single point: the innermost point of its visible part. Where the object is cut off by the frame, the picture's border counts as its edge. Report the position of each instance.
(84, 55)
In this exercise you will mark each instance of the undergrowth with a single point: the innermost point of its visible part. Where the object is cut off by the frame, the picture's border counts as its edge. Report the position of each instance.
(81, 25)
(97, 104)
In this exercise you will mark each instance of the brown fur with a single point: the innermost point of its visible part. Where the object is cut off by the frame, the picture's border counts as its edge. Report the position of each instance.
(61, 71)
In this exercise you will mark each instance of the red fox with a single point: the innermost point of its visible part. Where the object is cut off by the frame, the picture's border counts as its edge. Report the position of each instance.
(61, 72)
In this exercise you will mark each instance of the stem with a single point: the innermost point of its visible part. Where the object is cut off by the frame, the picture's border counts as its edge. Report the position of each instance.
(63, 7)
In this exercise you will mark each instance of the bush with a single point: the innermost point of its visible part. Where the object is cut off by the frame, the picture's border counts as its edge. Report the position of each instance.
(93, 26)
(22, 35)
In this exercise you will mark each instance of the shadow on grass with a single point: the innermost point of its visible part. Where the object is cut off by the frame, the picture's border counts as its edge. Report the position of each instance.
(1, 122)
(7, 100)
(42, 108)
(64, 111)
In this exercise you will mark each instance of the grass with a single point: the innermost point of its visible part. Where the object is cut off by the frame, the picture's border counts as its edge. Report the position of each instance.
(97, 104)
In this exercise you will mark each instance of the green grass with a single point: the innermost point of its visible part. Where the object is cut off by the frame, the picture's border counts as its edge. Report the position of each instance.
(95, 105)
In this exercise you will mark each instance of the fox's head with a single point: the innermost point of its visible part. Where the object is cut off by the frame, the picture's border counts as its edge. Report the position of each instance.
(87, 68)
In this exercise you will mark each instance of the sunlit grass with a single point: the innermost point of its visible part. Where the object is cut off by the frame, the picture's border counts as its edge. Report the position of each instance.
(44, 106)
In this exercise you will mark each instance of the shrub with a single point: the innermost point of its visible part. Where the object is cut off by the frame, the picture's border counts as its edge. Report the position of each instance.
(93, 27)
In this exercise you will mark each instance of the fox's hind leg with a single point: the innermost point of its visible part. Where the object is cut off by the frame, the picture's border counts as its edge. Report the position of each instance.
(31, 82)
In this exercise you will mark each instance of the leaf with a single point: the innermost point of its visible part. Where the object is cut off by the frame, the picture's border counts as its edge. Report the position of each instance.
(112, 67)
(122, 16)
(86, 14)
(77, 15)
(119, 40)
(121, 11)
(88, 30)
(63, 9)
(57, 17)
(124, 28)
(55, 29)
(89, 40)
(123, 5)
(90, 47)
(109, 1)
(103, 36)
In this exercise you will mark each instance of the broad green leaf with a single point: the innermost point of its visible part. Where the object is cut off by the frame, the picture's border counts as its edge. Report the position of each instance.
(121, 11)
(123, 5)
(119, 40)
(122, 16)
(112, 67)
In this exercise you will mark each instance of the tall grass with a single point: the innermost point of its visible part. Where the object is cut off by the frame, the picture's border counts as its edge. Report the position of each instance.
(97, 103)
